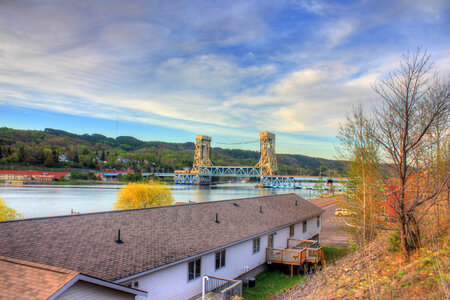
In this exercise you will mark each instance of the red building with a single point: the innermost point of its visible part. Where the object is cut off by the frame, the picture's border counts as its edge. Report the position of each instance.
(32, 175)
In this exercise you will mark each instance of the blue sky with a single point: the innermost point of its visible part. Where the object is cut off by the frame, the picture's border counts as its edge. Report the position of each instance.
(168, 70)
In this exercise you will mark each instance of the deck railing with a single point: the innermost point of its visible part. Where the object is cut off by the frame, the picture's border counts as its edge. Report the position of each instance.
(315, 255)
(286, 256)
(301, 244)
(221, 288)
(297, 252)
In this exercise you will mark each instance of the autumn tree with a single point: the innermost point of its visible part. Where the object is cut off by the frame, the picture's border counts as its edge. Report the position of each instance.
(414, 101)
(361, 151)
(141, 195)
(8, 213)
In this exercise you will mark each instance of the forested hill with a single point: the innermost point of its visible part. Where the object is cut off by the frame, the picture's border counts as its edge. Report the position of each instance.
(54, 148)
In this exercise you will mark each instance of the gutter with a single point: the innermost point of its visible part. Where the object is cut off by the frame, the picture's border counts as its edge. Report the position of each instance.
(210, 251)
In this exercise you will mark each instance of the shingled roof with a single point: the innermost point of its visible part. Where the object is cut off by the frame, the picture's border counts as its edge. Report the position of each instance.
(24, 280)
(152, 237)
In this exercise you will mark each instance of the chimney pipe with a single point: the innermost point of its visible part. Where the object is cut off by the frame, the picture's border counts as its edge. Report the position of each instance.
(118, 241)
(217, 218)
(296, 203)
(260, 209)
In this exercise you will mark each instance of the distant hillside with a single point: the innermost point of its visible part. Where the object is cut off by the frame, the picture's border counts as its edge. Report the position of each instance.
(54, 148)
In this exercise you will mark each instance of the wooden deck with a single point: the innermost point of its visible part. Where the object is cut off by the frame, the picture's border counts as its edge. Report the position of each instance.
(297, 253)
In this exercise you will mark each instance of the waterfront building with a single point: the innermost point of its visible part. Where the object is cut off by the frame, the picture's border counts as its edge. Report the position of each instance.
(32, 175)
(166, 251)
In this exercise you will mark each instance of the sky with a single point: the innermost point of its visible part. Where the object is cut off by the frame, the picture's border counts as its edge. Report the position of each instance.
(169, 70)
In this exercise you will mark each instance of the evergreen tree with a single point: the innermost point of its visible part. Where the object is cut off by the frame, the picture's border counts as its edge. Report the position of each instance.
(55, 156)
(22, 154)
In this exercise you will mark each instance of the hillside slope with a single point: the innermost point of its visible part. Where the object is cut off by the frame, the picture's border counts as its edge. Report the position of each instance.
(42, 148)
(379, 274)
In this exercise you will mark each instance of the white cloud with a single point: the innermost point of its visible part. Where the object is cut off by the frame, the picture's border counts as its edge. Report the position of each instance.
(221, 68)
(338, 31)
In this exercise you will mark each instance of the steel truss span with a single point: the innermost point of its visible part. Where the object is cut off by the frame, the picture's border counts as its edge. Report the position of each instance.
(230, 171)
(266, 169)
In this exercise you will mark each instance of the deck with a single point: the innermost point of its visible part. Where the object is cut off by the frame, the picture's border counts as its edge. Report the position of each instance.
(297, 253)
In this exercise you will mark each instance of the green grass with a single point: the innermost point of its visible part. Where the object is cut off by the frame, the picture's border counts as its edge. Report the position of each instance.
(333, 253)
(270, 283)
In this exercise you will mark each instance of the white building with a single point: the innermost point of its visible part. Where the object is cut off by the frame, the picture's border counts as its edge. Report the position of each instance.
(166, 250)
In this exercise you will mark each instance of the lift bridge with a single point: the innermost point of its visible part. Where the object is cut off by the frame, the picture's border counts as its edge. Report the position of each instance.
(266, 169)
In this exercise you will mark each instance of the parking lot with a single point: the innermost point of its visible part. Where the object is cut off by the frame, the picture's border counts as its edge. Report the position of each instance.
(332, 233)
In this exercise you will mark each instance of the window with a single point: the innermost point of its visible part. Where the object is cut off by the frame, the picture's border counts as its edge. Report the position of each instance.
(305, 225)
(220, 259)
(194, 269)
(256, 245)
(291, 230)
(270, 241)
(318, 221)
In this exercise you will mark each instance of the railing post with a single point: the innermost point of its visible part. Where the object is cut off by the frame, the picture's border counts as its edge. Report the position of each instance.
(204, 279)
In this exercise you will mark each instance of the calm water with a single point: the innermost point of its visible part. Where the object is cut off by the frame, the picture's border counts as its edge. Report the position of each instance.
(39, 201)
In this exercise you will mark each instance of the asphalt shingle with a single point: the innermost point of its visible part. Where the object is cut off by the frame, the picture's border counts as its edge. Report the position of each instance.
(152, 237)
(24, 280)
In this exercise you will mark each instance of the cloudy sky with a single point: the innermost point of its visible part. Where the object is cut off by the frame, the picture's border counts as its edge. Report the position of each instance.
(168, 70)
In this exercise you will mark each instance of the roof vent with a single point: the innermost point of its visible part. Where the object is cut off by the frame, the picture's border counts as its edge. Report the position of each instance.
(118, 241)
(260, 209)
(217, 218)
(235, 204)
(296, 203)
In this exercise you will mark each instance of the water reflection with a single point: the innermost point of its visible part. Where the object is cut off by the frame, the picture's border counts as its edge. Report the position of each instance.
(39, 201)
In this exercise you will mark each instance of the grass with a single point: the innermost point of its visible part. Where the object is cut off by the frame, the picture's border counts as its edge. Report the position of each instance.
(273, 282)
(270, 283)
(334, 253)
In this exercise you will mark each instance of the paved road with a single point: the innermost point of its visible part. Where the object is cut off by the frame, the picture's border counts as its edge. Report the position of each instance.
(332, 234)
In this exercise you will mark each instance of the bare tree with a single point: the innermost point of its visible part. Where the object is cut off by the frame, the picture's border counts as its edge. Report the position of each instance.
(413, 104)
(361, 150)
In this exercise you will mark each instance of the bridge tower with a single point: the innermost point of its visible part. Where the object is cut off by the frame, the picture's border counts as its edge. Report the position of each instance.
(268, 160)
(202, 155)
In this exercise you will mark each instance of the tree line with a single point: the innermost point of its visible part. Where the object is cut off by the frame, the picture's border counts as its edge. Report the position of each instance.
(53, 148)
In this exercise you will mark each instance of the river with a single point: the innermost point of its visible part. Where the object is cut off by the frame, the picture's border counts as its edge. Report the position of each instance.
(51, 200)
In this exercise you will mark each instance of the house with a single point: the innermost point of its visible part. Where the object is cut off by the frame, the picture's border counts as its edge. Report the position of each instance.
(167, 250)
(32, 175)
(20, 279)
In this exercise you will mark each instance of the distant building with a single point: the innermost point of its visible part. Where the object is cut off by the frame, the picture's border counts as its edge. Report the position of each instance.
(184, 171)
(62, 158)
(123, 160)
(32, 175)
(167, 250)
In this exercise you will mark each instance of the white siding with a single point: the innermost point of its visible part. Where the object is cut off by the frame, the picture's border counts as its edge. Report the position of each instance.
(88, 291)
(172, 282)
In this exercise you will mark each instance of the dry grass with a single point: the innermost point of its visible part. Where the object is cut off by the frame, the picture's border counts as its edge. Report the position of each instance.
(377, 273)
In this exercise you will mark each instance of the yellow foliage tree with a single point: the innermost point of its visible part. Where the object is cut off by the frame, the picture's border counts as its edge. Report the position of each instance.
(8, 213)
(141, 195)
